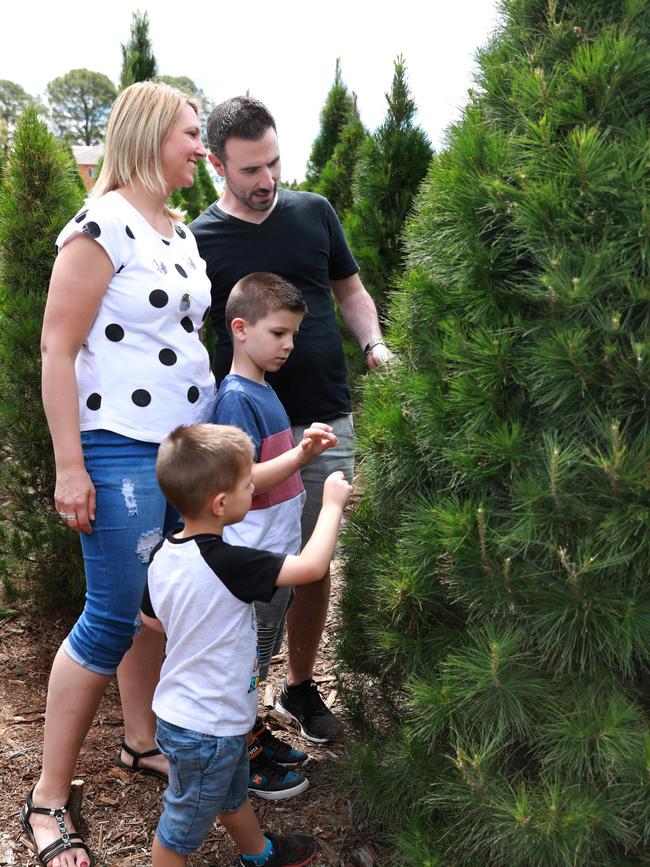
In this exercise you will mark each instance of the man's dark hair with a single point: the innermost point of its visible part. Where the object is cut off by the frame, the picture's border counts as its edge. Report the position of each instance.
(239, 117)
(260, 293)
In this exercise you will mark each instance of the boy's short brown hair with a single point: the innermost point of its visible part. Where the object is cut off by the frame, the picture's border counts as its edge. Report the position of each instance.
(199, 461)
(260, 293)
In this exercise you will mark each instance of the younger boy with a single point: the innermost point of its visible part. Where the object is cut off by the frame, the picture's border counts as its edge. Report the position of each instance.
(263, 314)
(200, 592)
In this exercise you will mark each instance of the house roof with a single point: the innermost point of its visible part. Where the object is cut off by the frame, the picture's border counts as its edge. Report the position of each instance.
(88, 155)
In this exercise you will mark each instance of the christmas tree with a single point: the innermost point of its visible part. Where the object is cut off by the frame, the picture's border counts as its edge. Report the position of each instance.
(39, 193)
(390, 166)
(496, 610)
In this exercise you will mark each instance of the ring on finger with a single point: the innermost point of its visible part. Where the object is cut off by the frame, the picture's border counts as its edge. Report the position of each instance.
(71, 517)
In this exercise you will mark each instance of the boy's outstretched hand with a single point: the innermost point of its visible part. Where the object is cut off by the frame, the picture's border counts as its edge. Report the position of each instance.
(316, 439)
(336, 490)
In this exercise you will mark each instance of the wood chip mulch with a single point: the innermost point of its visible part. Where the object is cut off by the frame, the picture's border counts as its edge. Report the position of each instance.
(120, 810)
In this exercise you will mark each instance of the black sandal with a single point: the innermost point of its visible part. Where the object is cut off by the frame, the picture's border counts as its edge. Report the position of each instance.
(67, 840)
(135, 769)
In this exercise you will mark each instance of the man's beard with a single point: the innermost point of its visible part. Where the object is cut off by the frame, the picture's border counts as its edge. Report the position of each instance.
(251, 203)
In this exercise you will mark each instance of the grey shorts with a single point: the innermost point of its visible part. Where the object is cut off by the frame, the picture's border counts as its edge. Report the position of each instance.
(340, 457)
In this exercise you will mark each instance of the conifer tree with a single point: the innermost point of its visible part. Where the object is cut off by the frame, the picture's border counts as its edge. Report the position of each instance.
(496, 611)
(138, 61)
(204, 182)
(74, 170)
(389, 169)
(339, 108)
(38, 195)
(195, 199)
(335, 182)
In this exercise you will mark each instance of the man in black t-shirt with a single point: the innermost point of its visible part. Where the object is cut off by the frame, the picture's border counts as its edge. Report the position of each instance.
(255, 226)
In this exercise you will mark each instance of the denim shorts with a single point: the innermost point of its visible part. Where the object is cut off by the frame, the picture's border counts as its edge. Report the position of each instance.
(207, 776)
(339, 457)
(132, 515)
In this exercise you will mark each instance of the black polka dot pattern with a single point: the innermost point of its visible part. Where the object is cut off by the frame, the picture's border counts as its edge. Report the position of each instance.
(120, 269)
(167, 357)
(92, 229)
(193, 394)
(181, 270)
(129, 233)
(81, 216)
(180, 231)
(187, 324)
(114, 332)
(141, 397)
(165, 241)
(158, 298)
(94, 401)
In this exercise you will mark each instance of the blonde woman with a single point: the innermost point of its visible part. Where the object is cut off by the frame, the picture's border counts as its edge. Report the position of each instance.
(122, 366)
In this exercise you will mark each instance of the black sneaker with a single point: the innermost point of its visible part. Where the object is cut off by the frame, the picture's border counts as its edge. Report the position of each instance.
(266, 779)
(289, 850)
(303, 704)
(275, 749)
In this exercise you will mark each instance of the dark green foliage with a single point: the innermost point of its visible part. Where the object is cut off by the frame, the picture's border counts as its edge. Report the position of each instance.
(389, 168)
(75, 170)
(496, 610)
(203, 181)
(38, 196)
(195, 199)
(335, 182)
(80, 102)
(138, 61)
(339, 109)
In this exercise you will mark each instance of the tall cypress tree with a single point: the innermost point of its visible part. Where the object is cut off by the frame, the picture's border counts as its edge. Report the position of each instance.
(338, 110)
(335, 181)
(389, 169)
(496, 612)
(138, 61)
(38, 195)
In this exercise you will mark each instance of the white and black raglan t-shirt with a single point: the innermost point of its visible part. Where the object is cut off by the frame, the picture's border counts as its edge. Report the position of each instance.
(142, 369)
(202, 589)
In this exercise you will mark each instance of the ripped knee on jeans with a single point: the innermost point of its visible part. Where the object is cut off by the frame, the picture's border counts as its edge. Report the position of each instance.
(147, 542)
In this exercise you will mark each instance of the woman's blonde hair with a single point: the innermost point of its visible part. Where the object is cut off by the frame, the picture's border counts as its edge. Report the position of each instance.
(141, 118)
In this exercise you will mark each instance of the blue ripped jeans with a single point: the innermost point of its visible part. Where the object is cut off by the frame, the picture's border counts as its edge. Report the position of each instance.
(132, 515)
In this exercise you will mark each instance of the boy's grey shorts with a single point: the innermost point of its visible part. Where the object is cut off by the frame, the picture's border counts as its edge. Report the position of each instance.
(340, 457)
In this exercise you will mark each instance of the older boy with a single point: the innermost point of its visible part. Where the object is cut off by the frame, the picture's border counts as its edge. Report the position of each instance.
(200, 592)
(263, 314)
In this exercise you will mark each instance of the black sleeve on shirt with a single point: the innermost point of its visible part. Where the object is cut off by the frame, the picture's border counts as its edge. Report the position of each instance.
(146, 606)
(249, 574)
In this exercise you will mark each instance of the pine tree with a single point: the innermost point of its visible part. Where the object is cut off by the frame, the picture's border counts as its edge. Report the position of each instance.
(138, 61)
(335, 182)
(38, 195)
(496, 610)
(74, 170)
(338, 110)
(204, 182)
(195, 199)
(389, 169)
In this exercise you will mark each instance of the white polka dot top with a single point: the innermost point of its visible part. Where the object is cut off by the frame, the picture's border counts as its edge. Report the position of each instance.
(142, 369)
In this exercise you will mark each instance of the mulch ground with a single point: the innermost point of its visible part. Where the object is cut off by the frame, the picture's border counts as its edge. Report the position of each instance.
(120, 810)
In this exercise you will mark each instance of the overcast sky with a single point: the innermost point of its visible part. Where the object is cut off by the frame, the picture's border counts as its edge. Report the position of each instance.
(281, 52)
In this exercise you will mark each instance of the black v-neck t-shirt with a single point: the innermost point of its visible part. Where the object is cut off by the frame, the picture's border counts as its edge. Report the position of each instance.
(302, 241)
